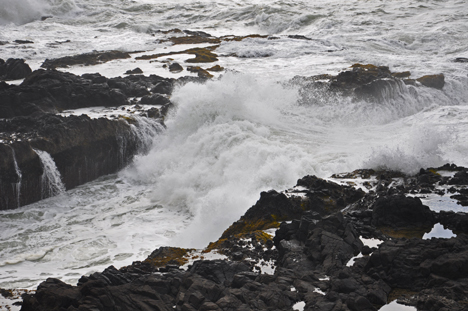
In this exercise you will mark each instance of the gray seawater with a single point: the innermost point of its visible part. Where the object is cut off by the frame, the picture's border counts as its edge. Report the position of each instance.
(244, 133)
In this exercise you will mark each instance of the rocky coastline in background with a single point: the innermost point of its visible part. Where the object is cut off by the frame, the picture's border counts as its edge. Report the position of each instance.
(303, 245)
(84, 148)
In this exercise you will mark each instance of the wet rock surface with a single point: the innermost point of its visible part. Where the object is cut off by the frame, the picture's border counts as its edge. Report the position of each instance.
(86, 59)
(82, 148)
(317, 256)
(71, 141)
(367, 82)
(14, 69)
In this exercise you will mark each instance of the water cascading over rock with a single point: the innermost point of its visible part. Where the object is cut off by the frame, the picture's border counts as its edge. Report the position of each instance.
(52, 184)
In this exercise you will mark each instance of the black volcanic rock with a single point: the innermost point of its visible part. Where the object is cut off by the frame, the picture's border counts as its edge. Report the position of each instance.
(86, 59)
(82, 148)
(312, 264)
(134, 71)
(175, 67)
(434, 81)
(399, 211)
(72, 142)
(52, 91)
(460, 178)
(155, 99)
(14, 69)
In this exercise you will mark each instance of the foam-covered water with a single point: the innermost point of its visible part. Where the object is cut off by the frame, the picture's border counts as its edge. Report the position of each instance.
(249, 131)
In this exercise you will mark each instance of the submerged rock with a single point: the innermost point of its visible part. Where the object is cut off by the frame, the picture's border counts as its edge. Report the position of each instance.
(86, 59)
(435, 81)
(399, 211)
(365, 82)
(134, 71)
(175, 68)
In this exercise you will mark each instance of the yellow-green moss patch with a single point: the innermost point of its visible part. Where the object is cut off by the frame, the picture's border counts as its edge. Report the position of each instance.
(200, 71)
(202, 55)
(240, 38)
(215, 68)
(434, 81)
(405, 233)
(401, 75)
(400, 293)
(243, 226)
(193, 40)
(169, 255)
(223, 243)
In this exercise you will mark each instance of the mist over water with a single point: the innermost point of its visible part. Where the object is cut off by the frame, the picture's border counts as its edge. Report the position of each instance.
(19, 12)
(254, 129)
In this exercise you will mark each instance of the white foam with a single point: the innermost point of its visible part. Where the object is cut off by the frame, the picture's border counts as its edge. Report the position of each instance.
(81, 232)
(21, 11)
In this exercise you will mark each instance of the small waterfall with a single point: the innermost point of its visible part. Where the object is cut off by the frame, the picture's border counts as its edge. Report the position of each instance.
(17, 186)
(52, 184)
(143, 133)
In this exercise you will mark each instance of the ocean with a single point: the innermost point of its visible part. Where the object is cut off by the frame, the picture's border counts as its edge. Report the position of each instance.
(250, 129)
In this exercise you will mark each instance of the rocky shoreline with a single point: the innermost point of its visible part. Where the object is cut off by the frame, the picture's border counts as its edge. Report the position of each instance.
(82, 148)
(304, 248)
(308, 245)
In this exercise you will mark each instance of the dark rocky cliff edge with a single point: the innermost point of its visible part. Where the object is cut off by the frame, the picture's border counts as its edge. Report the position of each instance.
(82, 148)
(320, 226)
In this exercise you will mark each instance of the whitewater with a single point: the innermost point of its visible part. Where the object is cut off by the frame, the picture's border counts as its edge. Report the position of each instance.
(249, 130)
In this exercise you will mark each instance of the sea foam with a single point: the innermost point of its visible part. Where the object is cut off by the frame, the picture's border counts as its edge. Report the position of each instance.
(22, 11)
(219, 151)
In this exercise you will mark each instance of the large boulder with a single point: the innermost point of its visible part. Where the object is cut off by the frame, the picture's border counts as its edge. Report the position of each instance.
(434, 81)
(14, 69)
(399, 211)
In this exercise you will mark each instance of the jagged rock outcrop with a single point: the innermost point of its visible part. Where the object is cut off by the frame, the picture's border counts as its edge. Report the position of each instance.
(314, 261)
(14, 69)
(86, 59)
(82, 148)
(364, 82)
